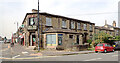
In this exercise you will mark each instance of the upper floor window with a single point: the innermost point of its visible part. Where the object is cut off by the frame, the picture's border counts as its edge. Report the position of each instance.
(78, 26)
(85, 26)
(63, 23)
(90, 27)
(32, 21)
(72, 25)
(48, 21)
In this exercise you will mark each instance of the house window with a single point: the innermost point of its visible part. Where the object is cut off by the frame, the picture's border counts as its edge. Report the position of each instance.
(72, 25)
(48, 21)
(78, 26)
(63, 23)
(90, 27)
(71, 36)
(32, 21)
(85, 26)
(91, 36)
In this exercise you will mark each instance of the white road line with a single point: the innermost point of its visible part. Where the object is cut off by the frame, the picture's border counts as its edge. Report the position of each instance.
(15, 56)
(114, 55)
(93, 59)
(24, 52)
(109, 53)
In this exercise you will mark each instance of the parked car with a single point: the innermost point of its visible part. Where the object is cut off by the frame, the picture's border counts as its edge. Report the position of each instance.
(103, 47)
(116, 45)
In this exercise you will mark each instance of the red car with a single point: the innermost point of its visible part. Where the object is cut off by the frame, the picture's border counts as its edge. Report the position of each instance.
(103, 47)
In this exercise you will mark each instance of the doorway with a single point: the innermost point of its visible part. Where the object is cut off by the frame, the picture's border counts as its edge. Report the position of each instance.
(77, 39)
(32, 39)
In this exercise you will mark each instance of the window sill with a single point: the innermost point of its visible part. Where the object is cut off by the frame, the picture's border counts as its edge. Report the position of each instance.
(79, 29)
(72, 28)
(48, 26)
(64, 28)
(91, 31)
(85, 30)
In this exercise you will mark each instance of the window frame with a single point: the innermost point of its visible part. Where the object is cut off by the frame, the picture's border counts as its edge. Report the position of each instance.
(85, 26)
(90, 27)
(33, 19)
(78, 25)
(72, 23)
(48, 21)
(64, 24)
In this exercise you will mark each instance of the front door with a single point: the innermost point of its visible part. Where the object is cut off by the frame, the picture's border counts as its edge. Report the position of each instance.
(32, 40)
(51, 40)
(77, 39)
(60, 39)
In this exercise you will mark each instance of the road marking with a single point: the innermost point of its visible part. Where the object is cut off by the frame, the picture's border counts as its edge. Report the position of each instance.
(109, 53)
(114, 55)
(29, 57)
(93, 59)
(24, 52)
(15, 56)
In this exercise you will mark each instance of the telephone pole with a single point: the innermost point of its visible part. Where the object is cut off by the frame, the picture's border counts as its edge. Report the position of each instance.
(38, 28)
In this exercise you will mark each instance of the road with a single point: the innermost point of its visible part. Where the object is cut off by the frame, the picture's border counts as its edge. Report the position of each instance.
(17, 55)
(112, 56)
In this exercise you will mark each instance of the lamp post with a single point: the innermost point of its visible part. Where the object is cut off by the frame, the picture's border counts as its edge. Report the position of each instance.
(38, 28)
(17, 31)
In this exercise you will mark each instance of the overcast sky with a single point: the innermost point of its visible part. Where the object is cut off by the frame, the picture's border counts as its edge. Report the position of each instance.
(96, 11)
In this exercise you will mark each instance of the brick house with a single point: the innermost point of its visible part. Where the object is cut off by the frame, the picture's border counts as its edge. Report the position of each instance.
(56, 30)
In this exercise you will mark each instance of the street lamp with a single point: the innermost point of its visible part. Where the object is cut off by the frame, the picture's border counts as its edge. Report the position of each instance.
(38, 28)
(17, 31)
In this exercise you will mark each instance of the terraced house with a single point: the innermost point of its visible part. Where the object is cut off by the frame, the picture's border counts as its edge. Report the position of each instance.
(108, 29)
(57, 31)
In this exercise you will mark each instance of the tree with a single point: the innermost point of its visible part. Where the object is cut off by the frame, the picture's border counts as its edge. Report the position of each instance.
(101, 37)
(117, 38)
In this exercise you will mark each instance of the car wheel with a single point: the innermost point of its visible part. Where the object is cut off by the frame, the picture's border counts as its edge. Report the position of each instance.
(96, 51)
(105, 51)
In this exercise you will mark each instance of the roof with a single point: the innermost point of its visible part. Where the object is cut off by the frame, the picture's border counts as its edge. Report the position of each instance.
(103, 28)
(48, 14)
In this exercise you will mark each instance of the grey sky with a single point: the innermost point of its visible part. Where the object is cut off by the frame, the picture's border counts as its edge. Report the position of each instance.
(12, 11)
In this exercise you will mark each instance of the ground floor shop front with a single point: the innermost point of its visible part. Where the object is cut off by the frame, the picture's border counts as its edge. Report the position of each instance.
(56, 40)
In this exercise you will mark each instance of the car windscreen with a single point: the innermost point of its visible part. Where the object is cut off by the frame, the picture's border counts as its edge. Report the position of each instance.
(100, 45)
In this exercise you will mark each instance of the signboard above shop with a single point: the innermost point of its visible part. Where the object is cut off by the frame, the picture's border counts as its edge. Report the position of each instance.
(32, 27)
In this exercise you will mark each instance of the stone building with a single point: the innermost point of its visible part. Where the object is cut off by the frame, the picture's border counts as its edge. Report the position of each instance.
(108, 29)
(57, 31)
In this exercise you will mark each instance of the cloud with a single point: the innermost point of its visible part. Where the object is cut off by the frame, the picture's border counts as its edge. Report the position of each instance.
(15, 10)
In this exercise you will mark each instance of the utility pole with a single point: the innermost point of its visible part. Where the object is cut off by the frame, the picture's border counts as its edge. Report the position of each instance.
(17, 32)
(38, 28)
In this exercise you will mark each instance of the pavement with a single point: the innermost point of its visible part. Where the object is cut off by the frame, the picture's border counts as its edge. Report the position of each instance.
(22, 52)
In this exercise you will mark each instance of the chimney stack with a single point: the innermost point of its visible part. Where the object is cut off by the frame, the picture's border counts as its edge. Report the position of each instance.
(105, 22)
(114, 23)
(34, 11)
